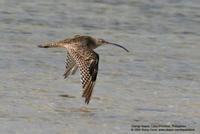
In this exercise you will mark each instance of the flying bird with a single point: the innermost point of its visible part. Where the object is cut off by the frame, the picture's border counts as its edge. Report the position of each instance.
(80, 55)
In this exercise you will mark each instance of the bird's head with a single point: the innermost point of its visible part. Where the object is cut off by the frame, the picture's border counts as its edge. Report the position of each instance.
(100, 42)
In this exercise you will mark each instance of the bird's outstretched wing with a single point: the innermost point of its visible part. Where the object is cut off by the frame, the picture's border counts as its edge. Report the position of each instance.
(87, 61)
(70, 65)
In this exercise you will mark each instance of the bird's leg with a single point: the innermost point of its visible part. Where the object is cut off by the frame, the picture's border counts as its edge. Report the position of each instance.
(52, 44)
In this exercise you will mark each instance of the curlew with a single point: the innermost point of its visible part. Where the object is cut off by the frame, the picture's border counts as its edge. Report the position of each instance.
(80, 55)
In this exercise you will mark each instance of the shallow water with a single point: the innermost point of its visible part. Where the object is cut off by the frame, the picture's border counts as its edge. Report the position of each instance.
(158, 82)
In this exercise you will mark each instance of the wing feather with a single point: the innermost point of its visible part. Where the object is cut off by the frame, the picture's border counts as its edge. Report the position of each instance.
(87, 61)
(70, 64)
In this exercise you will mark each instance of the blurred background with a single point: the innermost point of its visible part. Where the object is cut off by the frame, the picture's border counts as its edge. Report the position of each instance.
(158, 82)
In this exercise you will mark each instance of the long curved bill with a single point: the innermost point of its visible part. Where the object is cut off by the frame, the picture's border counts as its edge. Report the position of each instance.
(117, 45)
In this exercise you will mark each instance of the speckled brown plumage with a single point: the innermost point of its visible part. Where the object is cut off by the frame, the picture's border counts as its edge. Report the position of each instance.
(80, 55)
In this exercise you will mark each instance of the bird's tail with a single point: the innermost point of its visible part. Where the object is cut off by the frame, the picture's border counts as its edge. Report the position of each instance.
(51, 44)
